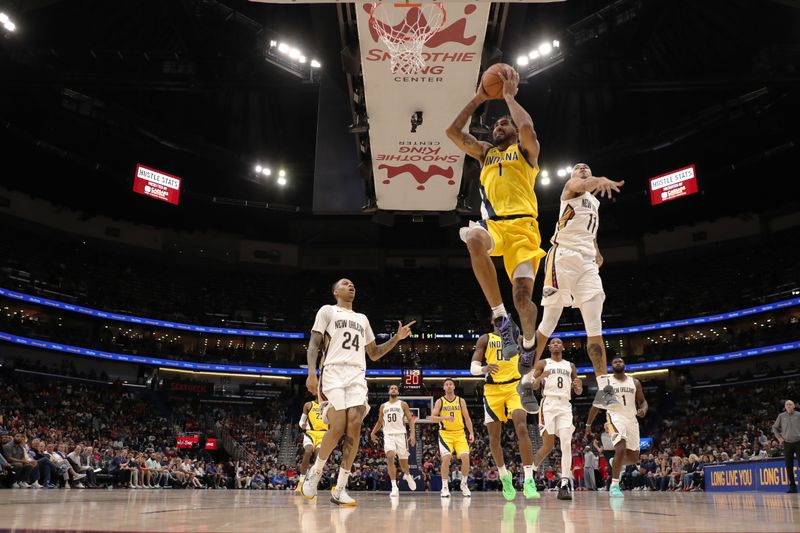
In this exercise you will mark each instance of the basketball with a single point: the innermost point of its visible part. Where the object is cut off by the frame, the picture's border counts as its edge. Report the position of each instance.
(492, 80)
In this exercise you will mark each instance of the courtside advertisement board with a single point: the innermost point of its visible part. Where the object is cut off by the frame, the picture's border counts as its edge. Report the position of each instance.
(187, 441)
(157, 184)
(675, 184)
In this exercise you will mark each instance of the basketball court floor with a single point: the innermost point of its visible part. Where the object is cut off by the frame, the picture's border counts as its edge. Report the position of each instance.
(241, 511)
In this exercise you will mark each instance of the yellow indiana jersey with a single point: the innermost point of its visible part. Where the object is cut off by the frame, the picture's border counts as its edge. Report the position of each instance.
(507, 182)
(315, 418)
(494, 356)
(453, 408)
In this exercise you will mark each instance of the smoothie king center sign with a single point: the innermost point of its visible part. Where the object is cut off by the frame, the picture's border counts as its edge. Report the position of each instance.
(420, 171)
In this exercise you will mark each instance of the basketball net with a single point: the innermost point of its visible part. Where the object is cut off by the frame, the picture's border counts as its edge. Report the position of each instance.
(406, 38)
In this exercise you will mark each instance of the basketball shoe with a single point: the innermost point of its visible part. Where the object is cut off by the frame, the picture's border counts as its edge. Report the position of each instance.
(508, 333)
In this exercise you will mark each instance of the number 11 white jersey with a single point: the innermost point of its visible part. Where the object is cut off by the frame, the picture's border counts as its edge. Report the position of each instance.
(345, 336)
(576, 228)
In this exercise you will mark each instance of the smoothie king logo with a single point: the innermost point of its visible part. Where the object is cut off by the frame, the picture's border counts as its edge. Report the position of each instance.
(455, 33)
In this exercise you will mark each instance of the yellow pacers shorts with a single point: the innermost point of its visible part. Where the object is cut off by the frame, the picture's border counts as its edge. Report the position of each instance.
(517, 240)
(453, 443)
(313, 438)
(499, 401)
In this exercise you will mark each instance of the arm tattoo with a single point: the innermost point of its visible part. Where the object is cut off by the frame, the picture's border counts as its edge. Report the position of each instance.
(463, 117)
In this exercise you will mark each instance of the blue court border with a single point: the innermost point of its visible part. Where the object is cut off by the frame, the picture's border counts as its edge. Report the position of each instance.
(783, 304)
(392, 372)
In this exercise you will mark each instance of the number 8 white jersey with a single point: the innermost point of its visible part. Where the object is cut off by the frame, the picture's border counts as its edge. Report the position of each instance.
(345, 336)
(559, 383)
(576, 228)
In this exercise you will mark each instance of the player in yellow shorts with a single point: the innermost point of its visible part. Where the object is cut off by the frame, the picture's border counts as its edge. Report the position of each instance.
(501, 403)
(509, 210)
(452, 414)
(314, 429)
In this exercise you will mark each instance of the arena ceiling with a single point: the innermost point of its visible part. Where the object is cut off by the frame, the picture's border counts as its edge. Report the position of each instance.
(90, 87)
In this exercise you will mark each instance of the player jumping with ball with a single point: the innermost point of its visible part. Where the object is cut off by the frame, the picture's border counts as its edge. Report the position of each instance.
(509, 210)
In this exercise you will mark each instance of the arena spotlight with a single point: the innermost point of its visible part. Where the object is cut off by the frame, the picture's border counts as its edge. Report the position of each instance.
(556, 43)
(283, 48)
(545, 49)
(282, 173)
(533, 54)
(522, 61)
(545, 181)
(302, 59)
(545, 174)
(267, 171)
(258, 168)
(315, 64)
(561, 172)
(294, 53)
(273, 44)
(281, 182)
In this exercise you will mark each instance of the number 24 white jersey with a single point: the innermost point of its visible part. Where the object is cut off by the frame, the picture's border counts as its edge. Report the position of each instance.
(345, 336)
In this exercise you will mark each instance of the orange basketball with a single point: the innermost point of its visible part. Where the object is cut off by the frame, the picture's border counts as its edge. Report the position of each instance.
(492, 81)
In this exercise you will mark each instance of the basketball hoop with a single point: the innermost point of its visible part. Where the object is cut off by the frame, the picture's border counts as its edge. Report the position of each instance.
(405, 38)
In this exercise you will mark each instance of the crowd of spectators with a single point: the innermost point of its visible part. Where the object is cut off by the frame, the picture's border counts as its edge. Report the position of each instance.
(77, 433)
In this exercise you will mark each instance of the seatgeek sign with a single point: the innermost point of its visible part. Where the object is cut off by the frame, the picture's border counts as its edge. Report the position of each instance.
(157, 184)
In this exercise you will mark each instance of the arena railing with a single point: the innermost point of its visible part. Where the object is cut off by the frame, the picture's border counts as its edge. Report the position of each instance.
(392, 372)
(121, 317)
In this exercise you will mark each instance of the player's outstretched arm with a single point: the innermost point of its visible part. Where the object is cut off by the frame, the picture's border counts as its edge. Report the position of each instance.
(378, 425)
(311, 355)
(577, 384)
(467, 421)
(539, 374)
(595, 185)
(476, 368)
(590, 419)
(376, 351)
(640, 401)
(304, 418)
(522, 119)
(411, 423)
(437, 408)
(598, 257)
(464, 139)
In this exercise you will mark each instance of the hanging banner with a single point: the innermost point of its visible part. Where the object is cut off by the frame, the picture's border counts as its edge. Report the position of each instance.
(420, 171)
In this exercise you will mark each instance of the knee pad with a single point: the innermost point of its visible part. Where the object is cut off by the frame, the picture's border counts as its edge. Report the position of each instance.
(549, 320)
(592, 314)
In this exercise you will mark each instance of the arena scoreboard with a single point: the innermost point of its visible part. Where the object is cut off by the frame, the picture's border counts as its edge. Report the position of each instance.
(412, 379)
(156, 184)
(673, 185)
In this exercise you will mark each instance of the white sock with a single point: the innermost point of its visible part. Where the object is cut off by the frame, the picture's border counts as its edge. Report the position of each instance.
(319, 464)
(527, 344)
(394, 484)
(528, 472)
(341, 481)
(502, 470)
(499, 311)
(564, 481)
(614, 482)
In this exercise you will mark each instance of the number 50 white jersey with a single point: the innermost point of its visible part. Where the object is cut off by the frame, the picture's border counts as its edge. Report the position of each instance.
(345, 336)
